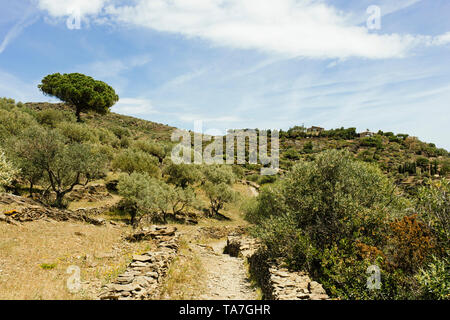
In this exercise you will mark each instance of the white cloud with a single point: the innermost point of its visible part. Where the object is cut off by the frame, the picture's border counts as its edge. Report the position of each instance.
(62, 8)
(134, 106)
(293, 28)
(296, 28)
(441, 40)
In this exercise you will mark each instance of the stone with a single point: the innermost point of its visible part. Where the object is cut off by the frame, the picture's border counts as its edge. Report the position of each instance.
(142, 258)
(143, 276)
(318, 297)
(138, 264)
(276, 282)
(316, 288)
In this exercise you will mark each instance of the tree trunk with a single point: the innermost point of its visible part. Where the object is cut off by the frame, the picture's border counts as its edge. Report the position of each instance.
(78, 114)
(59, 199)
(133, 216)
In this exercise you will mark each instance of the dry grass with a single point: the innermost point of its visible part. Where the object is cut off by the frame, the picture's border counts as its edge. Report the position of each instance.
(183, 280)
(34, 258)
(74, 205)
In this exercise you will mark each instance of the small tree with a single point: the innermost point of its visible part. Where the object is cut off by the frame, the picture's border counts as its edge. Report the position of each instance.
(182, 199)
(25, 156)
(135, 190)
(181, 175)
(82, 92)
(7, 171)
(152, 148)
(136, 161)
(64, 164)
(145, 195)
(217, 186)
(217, 174)
(218, 196)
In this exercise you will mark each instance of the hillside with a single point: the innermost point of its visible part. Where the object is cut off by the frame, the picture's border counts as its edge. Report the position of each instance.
(404, 158)
(104, 195)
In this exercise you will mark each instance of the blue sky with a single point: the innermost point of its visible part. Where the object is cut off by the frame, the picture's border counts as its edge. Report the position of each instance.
(243, 63)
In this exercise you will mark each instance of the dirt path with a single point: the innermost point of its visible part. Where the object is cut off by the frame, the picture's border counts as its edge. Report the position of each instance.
(226, 276)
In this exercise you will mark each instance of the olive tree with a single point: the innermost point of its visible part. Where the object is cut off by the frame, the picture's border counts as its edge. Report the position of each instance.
(63, 164)
(167, 199)
(130, 161)
(7, 171)
(144, 195)
(80, 91)
(135, 190)
(181, 175)
(24, 155)
(217, 183)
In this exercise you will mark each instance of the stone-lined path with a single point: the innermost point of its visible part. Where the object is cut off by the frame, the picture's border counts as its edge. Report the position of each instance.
(226, 277)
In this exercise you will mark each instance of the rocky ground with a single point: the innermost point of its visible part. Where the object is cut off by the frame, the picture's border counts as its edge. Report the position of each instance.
(226, 276)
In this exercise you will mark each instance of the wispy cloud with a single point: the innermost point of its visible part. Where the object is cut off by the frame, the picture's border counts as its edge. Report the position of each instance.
(183, 78)
(28, 18)
(109, 68)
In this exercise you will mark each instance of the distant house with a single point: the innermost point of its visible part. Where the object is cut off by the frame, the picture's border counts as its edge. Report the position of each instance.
(366, 134)
(315, 130)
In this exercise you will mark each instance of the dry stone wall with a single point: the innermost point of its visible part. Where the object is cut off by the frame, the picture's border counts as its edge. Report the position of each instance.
(144, 275)
(24, 210)
(276, 283)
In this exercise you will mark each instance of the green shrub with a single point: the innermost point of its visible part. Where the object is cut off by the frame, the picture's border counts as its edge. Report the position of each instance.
(267, 179)
(314, 217)
(217, 174)
(434, 279)
(238, 171)
(7, 171)
(291, 154)
(181, 175)
(76, 132)
(433, 203)
(52, 117)
(152, 148)
(253, 177)
(136, 161)
(13, 122)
